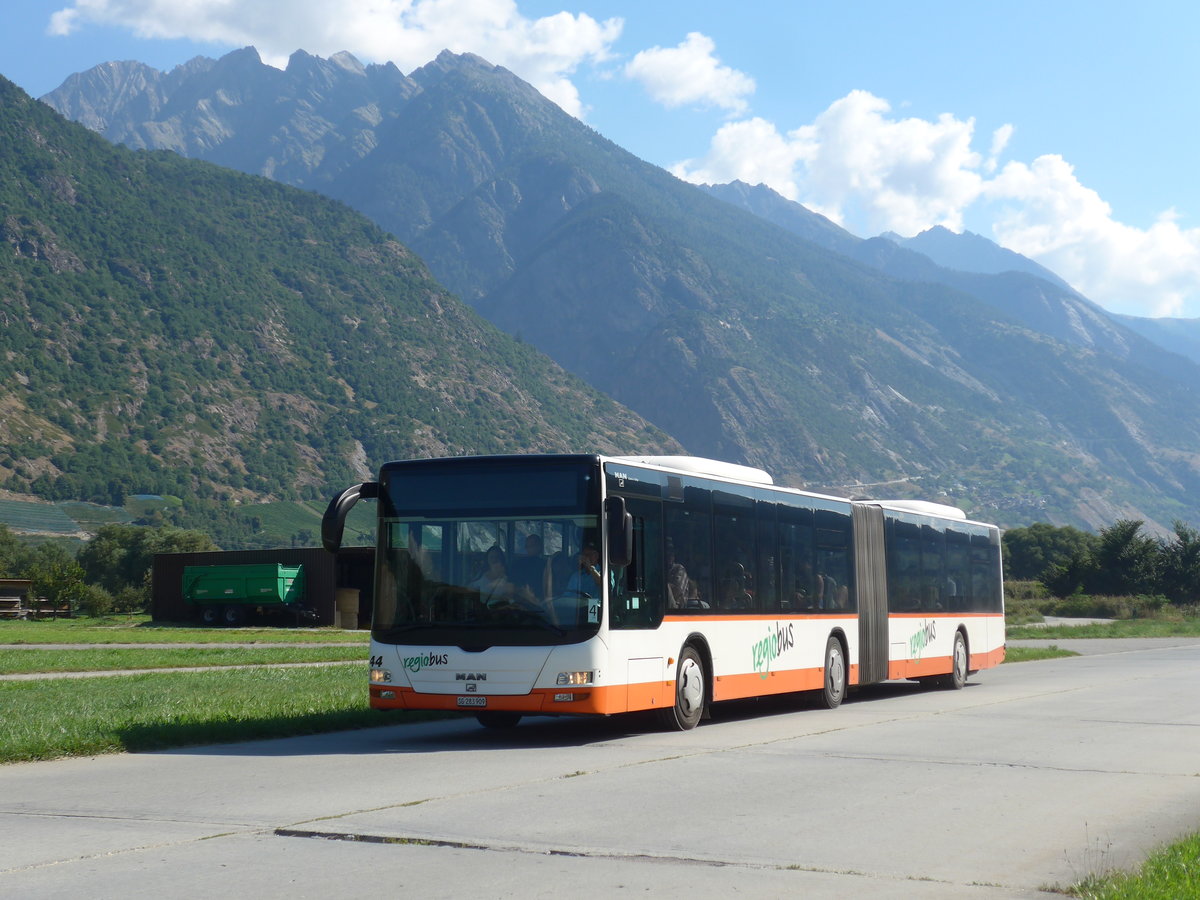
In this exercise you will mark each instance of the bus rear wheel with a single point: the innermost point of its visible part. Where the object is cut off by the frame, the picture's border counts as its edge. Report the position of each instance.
(690, 693)
(833, 689)
(959, 661)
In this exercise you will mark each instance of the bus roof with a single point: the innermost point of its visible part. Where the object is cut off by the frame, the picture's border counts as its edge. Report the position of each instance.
(698, 465)
(925, 508)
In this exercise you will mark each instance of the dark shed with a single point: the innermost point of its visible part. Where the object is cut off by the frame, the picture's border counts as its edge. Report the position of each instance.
(324, 574)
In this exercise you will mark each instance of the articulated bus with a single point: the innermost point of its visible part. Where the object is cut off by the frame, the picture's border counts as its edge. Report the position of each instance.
(509, 586)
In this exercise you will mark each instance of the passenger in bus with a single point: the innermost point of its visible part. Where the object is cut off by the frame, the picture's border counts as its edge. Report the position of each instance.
(586, 580)
(735, 592)
(681, 590)
(824, 589)
(830, 594)
(493, 585)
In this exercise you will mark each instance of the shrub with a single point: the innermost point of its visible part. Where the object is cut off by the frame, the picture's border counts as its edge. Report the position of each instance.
(93, 601)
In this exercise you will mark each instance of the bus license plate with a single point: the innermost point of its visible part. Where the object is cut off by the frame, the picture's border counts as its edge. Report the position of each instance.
(472, 701)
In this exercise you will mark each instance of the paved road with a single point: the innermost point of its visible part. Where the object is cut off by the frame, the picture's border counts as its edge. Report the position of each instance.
(1035, 775)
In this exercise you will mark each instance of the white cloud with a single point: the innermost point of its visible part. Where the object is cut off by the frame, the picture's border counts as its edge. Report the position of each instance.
(752, 151)
(1047, 214)
(690, 74)
(857, 165)
(872, 171)
(1000, 138)
(545, 52)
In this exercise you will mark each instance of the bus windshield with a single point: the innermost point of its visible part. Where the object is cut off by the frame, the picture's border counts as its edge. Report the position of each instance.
(481, 556)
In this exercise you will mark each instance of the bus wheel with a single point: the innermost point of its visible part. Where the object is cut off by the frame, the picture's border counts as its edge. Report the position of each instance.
(690, 693)
(834, 688)
(958, 675)
(498, 719)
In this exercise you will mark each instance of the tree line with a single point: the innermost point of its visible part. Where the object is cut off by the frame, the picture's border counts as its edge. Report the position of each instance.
(1122, 560)
(111, 573)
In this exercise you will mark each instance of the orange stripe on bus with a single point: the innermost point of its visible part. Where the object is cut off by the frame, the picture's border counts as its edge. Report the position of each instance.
(619, 698)
(760, 684)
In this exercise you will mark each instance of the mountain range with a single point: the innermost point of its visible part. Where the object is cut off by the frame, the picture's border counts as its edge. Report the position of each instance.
(741, 324)
(173, 327)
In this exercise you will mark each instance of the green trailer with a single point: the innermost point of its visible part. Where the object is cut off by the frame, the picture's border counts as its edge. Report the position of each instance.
(230, 594)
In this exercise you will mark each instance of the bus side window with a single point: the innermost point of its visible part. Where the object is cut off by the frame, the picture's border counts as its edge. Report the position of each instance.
(734, 561)
(767, 580)
(638, 594)
(833, 561)
(689, 546)
(797, 579)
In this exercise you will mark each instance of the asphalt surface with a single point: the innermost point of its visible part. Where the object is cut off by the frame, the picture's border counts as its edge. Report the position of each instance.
(1032, 777)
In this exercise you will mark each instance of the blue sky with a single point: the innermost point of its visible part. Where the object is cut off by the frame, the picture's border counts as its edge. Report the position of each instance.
(1066, 131)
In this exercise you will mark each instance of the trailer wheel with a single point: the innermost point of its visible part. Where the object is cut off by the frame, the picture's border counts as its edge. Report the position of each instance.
(210, 615)
(233, 615)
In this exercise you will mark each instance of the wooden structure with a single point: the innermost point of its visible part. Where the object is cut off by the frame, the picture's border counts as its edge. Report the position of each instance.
(14, 598)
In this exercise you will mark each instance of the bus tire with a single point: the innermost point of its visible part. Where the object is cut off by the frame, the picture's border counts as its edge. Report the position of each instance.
(959, 662)
(690, 693)
(498, 719)
(833, 689)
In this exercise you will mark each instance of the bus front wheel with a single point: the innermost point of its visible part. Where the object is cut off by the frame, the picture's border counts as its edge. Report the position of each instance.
(833, 690)
(690, 693)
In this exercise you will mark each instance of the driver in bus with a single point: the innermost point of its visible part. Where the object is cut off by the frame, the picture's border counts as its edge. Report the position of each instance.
(586, 581)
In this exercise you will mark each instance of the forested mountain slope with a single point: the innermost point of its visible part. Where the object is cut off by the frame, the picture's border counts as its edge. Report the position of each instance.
(169, 326)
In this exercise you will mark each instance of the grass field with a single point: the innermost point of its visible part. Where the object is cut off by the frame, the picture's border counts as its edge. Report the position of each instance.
(140, 630)
(1173, 873)
(101, 659)
(1122, 628)
(1030, 654)
(51, 718)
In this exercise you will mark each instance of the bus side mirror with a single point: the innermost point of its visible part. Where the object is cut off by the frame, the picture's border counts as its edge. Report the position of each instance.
(333, 523)
(619, 528)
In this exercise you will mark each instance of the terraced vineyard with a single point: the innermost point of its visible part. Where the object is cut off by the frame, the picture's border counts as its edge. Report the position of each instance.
(287, 520)
(282, 524)
(36, 518)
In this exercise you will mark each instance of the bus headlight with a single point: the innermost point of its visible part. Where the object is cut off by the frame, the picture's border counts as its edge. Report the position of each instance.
(380, 676)
(575, 678)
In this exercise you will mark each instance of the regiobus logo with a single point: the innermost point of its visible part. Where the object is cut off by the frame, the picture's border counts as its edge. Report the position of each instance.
(417, 663)
(767, 650)
(922, 639)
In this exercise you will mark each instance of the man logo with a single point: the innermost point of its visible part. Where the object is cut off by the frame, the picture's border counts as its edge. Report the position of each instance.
(470, 676)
